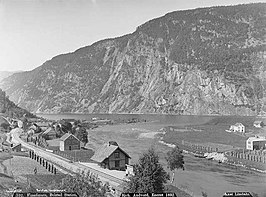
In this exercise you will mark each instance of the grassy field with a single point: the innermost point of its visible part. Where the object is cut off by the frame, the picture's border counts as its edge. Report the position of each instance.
(215, 134)
(42, 181)
(129, 137)
(20, 165)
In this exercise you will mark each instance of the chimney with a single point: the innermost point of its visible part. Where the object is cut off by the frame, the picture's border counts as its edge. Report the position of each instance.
(113, 143)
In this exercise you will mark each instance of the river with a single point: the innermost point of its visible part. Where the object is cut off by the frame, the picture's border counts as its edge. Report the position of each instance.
(200, 175)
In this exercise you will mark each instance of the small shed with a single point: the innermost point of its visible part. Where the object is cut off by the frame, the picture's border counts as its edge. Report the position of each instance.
(111, 156)
(49, 134)
(258, 124)
(69, 142)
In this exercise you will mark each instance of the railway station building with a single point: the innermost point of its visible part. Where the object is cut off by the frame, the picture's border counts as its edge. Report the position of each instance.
(111, 156)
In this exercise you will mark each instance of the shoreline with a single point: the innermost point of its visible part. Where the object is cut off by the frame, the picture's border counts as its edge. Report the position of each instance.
(225, 162)
(203, 115)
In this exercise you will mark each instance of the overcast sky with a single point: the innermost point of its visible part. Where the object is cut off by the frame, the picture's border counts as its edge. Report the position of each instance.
(34, 31)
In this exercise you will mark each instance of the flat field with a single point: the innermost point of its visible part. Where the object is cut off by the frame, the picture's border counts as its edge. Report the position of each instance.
(20, 165)
(214, 132)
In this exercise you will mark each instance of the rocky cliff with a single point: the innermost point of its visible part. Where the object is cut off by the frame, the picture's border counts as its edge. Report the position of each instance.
(201, 61)
(8, 108)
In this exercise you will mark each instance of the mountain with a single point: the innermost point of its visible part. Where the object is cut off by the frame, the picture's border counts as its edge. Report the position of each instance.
(200, 61)
(8, 108)
(5, 74)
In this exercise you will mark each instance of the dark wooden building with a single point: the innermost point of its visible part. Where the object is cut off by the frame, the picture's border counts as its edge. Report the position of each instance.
(69, 142)
(49, 134)
(111, 156)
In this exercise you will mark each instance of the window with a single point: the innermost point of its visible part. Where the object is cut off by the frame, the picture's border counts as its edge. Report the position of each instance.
(117, 155)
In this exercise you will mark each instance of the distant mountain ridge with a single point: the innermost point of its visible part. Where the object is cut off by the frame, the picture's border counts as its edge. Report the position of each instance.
(201, 61)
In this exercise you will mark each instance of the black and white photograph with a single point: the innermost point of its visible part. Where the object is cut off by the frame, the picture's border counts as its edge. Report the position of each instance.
(110, 98)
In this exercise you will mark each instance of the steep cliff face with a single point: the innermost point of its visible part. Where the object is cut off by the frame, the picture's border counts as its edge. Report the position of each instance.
(202, 61)
(8, 108)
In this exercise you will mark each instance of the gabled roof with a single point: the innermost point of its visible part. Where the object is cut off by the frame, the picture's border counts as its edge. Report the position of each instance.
(50, 130)
(239, 124)
(67, 135)
(105, 151)
(42, 124)
(15, 145)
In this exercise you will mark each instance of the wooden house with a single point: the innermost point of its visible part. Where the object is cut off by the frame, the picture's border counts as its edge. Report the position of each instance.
(238, 127)
(69, 142)
(111, 156)
(49, 134)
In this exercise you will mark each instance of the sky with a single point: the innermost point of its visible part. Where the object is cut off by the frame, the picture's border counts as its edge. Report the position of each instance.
(34, 31)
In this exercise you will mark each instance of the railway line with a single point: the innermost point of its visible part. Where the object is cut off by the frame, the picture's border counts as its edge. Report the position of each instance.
(75, 167)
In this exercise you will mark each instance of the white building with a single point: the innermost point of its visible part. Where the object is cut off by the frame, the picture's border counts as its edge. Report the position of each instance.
(256, 143)
(258, 124)
(238, 127)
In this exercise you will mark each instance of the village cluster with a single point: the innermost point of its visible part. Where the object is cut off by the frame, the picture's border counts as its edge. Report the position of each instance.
(67, 136)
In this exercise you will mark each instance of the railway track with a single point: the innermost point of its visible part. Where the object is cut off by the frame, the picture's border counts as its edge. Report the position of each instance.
(113, 181)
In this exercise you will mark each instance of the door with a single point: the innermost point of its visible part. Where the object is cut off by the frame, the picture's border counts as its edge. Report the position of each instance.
(117, 164)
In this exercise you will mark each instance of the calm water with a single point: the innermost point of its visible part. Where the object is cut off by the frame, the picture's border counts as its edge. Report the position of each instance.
(200, 174)
(160, 119)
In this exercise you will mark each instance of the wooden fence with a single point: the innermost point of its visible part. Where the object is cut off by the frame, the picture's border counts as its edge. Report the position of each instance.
(76, 155)
(194, 147)
(254, 156)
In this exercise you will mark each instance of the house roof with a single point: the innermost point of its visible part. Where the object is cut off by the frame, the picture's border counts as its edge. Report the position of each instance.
(67, 135)
(256, 138)
(15, 145)
(50, 130)
(42, 124)
(239, 124)
(105, 151)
